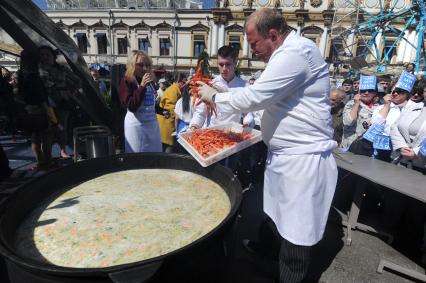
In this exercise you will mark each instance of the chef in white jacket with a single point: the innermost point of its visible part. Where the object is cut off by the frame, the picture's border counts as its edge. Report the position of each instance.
(301, 173)
(226, 62)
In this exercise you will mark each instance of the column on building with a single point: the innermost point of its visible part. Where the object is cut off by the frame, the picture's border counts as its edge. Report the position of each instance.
(221, 36)
(214, 40)
(323, 41)
(133, 40)
(377, 46)
(401, 48)
(245, 46)
(110, 51)
(72, 35)
(155, 45)
(409, 49)
(350, 43)
(91, 38)
(414, 50)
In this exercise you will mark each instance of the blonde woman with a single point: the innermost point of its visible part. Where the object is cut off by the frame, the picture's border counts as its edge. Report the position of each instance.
(141, 130)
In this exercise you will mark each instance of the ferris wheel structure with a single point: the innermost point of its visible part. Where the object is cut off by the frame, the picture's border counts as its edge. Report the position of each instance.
(379, 33)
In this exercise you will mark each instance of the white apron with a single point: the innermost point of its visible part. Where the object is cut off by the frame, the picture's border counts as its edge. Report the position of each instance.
(141, 131)
(298, 191)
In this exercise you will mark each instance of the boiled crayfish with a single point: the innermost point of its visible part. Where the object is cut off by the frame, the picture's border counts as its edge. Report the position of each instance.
(208, 142)
(202, 74)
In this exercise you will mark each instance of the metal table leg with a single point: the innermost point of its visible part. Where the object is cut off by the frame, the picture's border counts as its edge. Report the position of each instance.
(409, 272)
(355, 208)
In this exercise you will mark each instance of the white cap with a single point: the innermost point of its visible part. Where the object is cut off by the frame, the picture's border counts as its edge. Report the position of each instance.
(161, 80)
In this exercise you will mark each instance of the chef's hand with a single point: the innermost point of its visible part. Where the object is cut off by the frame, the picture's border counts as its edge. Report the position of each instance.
(146, 79)
(220, 88)
(206, 92)
(408, 153)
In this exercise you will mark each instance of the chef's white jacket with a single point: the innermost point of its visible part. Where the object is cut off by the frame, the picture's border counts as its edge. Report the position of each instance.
(301, 174)
(201, 116)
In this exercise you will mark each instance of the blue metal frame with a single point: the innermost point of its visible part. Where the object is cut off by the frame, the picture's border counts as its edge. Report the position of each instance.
(382, 22)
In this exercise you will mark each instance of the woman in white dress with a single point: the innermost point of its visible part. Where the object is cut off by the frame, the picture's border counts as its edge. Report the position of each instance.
(141, 130)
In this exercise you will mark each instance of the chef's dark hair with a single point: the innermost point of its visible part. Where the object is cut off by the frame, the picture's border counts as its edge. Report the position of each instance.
(266, 19)
(227, 51)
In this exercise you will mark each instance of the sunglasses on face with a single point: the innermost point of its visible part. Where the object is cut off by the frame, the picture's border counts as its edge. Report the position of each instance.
(396, 92)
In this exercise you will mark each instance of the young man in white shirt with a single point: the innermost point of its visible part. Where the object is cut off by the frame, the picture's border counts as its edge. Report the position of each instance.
(226, 63)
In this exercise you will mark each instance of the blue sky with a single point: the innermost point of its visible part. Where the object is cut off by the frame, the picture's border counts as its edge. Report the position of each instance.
(40, 3)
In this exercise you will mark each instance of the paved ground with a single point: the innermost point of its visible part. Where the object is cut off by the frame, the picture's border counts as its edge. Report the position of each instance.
(333, 261)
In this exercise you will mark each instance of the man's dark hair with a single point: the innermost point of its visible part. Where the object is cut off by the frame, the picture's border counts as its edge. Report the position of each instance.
(347, 81)
(169, 77)
(419, 86)
(227, 51)
(356, 79)
(385, 78)
(266, 19)
(181, 77)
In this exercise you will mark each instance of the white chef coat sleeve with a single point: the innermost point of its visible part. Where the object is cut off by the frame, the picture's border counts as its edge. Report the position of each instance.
(199, 117)
(283, 75)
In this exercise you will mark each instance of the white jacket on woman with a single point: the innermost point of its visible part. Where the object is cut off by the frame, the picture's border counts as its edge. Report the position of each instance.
(400, 136)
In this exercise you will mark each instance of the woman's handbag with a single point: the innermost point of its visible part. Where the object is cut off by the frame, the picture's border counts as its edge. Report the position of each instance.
(361, 146)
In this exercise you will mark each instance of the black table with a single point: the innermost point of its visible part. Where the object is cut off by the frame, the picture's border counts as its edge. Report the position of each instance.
(400, 179)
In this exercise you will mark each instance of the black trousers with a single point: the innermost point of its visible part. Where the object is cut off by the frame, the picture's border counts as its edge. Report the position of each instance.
(293, 259)
(294, 262)
(5, 170)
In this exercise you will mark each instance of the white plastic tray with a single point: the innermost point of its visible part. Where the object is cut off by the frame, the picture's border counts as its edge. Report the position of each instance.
(235, 127)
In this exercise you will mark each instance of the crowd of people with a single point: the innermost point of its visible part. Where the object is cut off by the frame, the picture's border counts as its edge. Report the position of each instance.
(158, 109)
(384, 118)
(303, 118)
(37, 100)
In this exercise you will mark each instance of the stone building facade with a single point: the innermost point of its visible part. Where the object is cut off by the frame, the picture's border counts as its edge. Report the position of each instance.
(173, 33)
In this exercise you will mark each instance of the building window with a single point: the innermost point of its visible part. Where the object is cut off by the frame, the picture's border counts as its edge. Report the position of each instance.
(199, 44)
(389, 48)
(165, 46)
(361, 48)
(234, 41)
(101, 39)
(122, 45)
(336, 49)
(143, 44)
(82, 42)
(313, 34)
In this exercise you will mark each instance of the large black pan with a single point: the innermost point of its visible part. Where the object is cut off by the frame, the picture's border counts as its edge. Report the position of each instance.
(32, 194)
